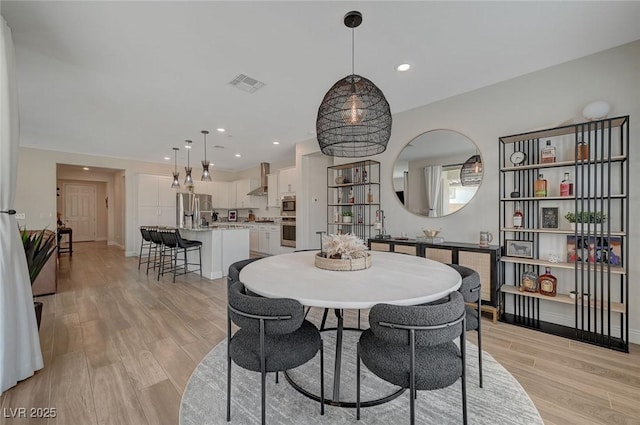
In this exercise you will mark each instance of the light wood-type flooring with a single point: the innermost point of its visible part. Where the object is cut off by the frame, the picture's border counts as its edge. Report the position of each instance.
(119, 348)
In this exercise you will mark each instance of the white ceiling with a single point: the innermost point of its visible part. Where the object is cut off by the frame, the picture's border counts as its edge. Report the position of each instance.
(134, 79)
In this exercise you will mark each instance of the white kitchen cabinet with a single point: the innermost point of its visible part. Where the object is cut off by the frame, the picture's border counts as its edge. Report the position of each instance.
(156, 201)
(220, 195)
(265, 239)
(273, 195)
(273, 239)
(287, 181)
(254, 240)
(239, 197)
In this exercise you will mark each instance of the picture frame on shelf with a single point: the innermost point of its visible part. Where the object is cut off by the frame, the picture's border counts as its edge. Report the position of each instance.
(549, 218)
(232, 215)
(594, 249)
(515, 248)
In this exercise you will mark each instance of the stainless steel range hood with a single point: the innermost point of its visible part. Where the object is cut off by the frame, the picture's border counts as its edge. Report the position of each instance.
(263, 189)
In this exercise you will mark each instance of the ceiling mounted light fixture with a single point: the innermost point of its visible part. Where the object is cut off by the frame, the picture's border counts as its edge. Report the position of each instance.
(206, 176)
(188, 181)
(354, 118)
(176, 173)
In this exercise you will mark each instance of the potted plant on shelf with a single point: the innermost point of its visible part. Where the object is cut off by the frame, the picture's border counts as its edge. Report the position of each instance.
(38, 248)
(595, 218)
(346, 216)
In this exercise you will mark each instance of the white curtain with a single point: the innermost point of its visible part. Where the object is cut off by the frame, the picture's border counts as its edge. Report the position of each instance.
(20, 354)
(406, 188)
(433, 186)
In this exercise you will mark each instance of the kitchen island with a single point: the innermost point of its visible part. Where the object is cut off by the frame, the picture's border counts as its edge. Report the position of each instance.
(221, 247)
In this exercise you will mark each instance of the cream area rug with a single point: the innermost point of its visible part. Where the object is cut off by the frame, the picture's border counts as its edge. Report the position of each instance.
(501, 401)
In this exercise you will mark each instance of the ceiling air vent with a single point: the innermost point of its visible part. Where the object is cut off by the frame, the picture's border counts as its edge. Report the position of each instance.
(246, 83)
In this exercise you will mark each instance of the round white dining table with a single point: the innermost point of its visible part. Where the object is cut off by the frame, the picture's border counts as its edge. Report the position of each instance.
(393, 278)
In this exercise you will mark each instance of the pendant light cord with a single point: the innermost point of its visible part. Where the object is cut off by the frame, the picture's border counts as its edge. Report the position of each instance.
(353, 54)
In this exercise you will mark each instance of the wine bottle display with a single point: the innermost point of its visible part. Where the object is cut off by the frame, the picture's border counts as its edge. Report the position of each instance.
(566, 186)
(540, 187)
(517, 216)
(548, 153)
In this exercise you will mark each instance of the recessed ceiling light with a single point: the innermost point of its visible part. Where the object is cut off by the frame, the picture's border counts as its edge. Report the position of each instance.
(276, 143)
(403, 67)
(221, 130)
(167, 158)
(238, 155)
(85, 168)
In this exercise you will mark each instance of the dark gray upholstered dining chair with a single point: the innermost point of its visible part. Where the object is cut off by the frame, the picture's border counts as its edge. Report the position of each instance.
(273, 336)
(413, 347)
(470, 290)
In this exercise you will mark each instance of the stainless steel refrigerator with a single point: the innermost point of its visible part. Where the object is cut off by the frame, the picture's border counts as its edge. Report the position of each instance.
(193, 210)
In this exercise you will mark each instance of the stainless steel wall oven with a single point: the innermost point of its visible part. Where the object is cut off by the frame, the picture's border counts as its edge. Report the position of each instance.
(288, 232)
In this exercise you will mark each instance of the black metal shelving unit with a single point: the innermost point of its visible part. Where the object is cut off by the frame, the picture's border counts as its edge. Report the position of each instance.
(364, 212)
(599, 313)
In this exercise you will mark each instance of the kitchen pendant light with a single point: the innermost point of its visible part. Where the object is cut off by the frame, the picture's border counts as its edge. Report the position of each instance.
(206, 176)
(188, 181)
(354, 118)
(176, 173)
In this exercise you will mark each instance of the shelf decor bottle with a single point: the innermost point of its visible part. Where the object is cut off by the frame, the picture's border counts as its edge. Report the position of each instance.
(566, 186)
(369, 196)
(356, 176)
(517, 216)
(529, 282)
(583, 149)
(352, 198)
(548, 283)
(365, 177)
(540, 187)
(548, 153)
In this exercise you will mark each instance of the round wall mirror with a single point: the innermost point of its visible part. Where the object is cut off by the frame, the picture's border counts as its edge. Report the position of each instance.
(437, 173)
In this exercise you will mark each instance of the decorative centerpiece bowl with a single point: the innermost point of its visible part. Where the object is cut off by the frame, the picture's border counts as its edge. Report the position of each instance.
(343, 253)
(430, 233)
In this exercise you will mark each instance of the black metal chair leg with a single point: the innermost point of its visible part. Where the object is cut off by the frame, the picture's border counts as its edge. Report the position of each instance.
(479, 341)
(412, 379)
(321, 378)
(463, 352)
(228, 387)
(276, 376)
(228, 367)
(358, 382)
(175, 263)
(161, 265)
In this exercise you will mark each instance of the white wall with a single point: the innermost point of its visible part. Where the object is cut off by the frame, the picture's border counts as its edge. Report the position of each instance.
(539, 100)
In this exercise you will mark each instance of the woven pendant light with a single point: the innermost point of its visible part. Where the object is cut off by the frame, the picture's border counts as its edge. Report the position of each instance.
(354, 118)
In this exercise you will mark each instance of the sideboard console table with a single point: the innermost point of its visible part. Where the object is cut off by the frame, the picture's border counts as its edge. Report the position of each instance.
(483, 260)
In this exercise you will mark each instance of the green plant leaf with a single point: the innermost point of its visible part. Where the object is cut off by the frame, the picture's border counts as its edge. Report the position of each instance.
(38, 248)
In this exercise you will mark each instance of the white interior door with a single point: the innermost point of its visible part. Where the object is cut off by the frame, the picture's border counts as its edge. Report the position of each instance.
(80, 211)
